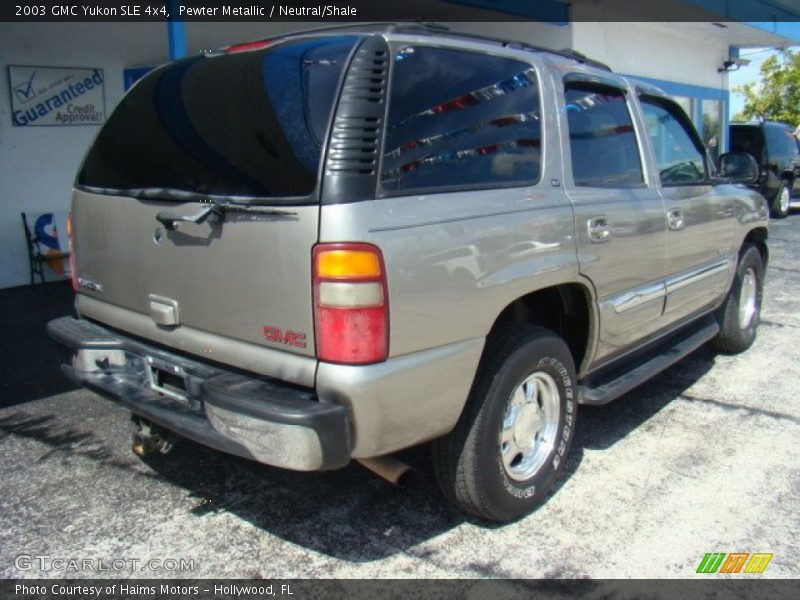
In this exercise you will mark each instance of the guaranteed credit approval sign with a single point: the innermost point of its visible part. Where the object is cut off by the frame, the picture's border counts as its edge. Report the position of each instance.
(56, 96)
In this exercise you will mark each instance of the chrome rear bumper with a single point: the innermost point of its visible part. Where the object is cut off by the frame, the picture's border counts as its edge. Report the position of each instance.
(271, 422)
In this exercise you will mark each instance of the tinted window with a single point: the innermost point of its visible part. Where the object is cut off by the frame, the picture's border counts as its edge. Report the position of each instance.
(749, 139)
(246, 124)
(602, 141)
(460, 119)
(780, 140)
(679, 157)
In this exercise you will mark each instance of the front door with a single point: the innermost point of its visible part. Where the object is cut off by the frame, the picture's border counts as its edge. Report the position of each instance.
(700, 220)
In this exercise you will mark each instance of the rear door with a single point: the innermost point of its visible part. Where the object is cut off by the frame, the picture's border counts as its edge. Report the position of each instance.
(619, 218)
(244, 128)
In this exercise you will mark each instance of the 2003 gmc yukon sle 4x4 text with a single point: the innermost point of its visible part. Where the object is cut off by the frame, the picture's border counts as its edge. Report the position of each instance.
(336, 245)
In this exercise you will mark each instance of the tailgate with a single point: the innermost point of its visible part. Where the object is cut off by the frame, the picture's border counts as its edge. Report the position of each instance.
(248, 278)
(244, 130)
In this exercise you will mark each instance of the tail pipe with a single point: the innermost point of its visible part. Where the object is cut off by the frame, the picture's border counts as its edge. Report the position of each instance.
(389, 468)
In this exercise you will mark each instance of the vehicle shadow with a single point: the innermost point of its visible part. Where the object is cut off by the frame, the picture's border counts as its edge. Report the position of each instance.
(600, 427)
(349, 514)
(353, 515)
(29, 359)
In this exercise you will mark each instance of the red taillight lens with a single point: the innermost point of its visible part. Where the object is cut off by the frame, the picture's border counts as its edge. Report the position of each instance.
(351, 306)
(73, 271)
(247, 46)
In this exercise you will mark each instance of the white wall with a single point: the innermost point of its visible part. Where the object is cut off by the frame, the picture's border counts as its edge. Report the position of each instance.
(554, 37)
(38, 164)
(680, 52)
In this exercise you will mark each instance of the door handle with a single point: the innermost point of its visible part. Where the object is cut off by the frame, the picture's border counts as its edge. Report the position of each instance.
(599, 231)
(675, 219)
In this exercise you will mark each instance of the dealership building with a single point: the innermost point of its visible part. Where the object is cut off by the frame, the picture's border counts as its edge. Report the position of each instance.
(64, 79)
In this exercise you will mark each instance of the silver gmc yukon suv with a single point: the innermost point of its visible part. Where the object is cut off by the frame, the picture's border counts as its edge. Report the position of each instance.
(335, 245)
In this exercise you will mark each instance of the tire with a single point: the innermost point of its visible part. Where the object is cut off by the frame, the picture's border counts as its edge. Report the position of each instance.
(782, 201)
(469, 462)
(740, 314)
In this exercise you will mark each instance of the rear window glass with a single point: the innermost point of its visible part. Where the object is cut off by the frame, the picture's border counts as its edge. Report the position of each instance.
(780, 140)
(747, 139)
(246, 125)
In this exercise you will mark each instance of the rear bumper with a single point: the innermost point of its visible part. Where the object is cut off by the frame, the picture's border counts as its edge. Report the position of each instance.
(272, 423)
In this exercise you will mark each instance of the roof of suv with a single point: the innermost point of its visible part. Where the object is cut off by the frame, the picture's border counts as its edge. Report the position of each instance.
(437, 30)
(761, 124)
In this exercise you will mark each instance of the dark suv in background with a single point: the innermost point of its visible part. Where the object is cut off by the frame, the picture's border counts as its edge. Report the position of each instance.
(775, 149)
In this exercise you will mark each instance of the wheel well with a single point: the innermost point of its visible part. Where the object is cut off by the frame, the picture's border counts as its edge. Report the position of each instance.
(564, 309)
(758, 238)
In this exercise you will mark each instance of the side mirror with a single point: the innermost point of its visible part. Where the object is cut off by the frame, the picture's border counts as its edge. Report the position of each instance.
(738, 167)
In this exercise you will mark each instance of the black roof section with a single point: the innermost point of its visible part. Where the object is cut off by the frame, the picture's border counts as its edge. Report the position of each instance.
(767, 122)
(438, 30)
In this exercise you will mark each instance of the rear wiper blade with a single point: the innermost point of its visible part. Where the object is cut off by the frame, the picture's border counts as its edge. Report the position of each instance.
(214, 212)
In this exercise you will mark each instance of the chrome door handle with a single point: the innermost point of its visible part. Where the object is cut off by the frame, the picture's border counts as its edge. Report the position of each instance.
(599, 231)
(675, 219)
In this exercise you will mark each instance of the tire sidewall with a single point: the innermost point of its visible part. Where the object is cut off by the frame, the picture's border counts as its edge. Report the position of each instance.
(512, 498)
(751, 258)
(777, 211)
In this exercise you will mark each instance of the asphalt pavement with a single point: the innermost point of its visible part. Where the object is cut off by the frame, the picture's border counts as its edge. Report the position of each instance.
(703, 458)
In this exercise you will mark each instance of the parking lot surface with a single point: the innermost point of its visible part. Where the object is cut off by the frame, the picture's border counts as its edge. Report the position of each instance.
(703, 458)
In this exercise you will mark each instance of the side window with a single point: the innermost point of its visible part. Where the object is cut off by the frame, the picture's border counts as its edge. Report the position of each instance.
(775, 143)
(780, 141)
(789, 143)
(680, 158)
(602, 140)
(460, 119)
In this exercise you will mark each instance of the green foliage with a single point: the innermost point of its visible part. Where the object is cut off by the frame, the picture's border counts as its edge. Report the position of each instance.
(777, 98)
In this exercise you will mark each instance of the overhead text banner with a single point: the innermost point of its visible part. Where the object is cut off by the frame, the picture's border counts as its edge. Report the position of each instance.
(556, 12)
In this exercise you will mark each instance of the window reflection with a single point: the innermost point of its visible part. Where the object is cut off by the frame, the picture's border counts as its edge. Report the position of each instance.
(687, 104)
(247, 124)
(459, 119)
(601, 135)
(712, 127)
(678, 159)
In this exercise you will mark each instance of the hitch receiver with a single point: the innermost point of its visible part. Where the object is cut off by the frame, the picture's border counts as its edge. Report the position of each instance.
(149, 438)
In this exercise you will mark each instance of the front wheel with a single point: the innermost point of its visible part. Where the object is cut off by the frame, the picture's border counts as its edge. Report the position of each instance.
(740, 315)
(511, 442)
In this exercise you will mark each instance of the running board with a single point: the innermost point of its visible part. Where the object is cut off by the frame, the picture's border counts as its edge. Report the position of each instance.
(601, 390)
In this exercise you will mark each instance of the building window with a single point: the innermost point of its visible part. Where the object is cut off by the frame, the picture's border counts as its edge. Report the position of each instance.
(687, 104)
(712, 127)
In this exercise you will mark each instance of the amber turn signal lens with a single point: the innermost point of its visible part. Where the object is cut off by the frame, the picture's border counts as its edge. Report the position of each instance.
(347, 264)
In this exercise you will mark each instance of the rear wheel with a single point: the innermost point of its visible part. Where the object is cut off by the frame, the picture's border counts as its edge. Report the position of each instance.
(740, 314)
(511, 442)
(780, 205)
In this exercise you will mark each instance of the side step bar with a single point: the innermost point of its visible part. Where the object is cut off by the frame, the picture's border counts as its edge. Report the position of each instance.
(599, 390)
